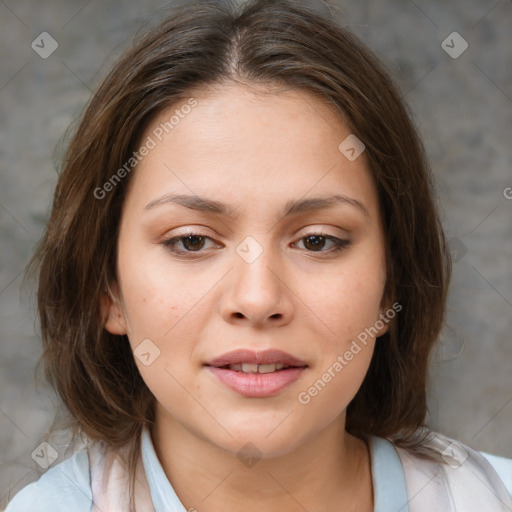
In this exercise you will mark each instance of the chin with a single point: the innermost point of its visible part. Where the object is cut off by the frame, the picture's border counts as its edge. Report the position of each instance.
(263, 441)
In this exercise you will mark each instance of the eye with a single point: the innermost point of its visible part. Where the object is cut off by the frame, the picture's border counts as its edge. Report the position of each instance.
(316, 242)
(192, 242)
(195, 243)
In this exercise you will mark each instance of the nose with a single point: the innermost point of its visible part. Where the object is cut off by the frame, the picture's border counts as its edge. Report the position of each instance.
(255, 293)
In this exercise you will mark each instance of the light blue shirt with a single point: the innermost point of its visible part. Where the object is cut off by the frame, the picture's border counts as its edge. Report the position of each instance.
(67, 486)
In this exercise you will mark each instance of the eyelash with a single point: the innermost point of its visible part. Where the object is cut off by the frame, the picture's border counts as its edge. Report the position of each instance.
(339, 244)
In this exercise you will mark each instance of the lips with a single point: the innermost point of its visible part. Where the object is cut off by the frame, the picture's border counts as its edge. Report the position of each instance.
(256, 368)
(257, 374)
(249, 359)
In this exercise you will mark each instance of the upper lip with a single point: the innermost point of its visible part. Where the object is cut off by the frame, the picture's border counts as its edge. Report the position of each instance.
(251, 357)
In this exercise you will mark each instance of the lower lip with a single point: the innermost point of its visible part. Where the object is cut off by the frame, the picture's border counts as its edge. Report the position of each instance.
(257, 385)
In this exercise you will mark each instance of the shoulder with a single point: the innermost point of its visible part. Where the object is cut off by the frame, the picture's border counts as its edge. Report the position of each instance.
(448, 473)
(503, 468)
(65, 487)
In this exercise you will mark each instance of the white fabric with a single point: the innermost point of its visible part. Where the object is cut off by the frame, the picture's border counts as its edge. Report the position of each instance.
(462, 481)
(110, 482)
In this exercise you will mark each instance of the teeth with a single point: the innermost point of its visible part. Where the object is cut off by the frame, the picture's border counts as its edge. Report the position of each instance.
(249, 368)
(267, 368)
(256, 368)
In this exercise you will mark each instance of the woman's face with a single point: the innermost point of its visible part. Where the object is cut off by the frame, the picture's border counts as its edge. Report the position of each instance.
(232, 239)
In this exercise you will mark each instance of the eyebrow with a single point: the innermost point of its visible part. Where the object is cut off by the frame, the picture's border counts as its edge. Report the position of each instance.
(292, 207)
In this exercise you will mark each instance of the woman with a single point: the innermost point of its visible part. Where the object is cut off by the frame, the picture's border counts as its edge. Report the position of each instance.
(242, 280)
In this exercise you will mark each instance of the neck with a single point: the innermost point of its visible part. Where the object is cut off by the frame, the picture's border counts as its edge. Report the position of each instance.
(331, 470)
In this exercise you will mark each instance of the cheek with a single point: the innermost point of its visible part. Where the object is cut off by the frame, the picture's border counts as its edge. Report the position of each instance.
(332, 388)
(156, 295)
(348, 300)
(342, 364)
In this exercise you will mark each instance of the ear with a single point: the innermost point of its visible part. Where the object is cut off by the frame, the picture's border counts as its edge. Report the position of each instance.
(112, 312)
(387, 312)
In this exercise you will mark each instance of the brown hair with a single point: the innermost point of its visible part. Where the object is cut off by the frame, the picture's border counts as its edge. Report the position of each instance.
(266, 42)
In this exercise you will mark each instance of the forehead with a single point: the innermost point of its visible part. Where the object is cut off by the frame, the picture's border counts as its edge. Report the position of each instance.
(243, 143)
(227, 114)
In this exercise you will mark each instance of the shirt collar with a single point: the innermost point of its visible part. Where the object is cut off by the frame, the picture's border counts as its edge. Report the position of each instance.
(388, 478)
(389, 490)
(162, 493)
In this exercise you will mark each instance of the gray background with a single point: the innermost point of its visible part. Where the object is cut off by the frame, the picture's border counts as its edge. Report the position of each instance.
(462, 106)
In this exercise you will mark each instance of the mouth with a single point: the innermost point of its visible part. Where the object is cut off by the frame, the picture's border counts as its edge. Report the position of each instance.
(257, 374)
(256, 368)
(249, 361)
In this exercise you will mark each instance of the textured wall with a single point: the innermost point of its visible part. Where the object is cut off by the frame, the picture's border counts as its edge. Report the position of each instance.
(462, 104)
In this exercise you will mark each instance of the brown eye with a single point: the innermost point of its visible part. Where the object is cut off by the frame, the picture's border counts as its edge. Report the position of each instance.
(193, 243)
(188, 243)
(316, 242)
